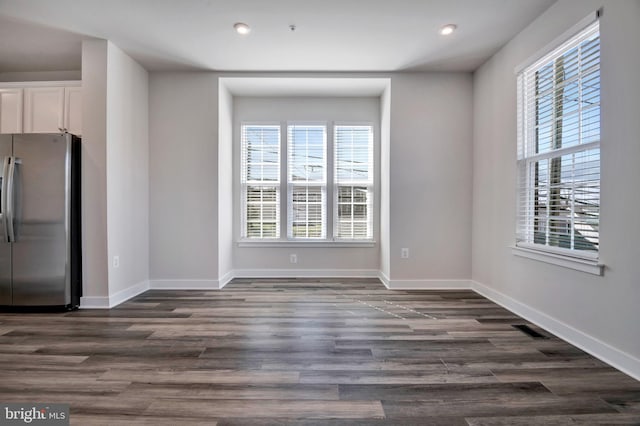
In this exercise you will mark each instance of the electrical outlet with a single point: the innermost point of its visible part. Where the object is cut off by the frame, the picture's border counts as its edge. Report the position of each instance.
(116, 261)
(404, 253)
(293, 258)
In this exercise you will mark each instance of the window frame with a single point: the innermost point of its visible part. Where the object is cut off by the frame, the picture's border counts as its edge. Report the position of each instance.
(525, 245)
(322, 184)
(370, 184)
(330, 197)
(244, 183)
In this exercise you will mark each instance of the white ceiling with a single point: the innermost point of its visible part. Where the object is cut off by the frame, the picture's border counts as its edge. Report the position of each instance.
(331, 35)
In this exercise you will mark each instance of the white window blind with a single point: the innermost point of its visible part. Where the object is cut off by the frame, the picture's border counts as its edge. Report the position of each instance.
(306, 181)
(353, 182)
(260, 181)
(559, 148)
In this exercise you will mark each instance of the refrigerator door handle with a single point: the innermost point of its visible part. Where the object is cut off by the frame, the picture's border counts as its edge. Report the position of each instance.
(3, 199)
(9, 198)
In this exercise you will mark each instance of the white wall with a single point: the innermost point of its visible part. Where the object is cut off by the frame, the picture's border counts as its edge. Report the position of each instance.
(324, 109)
(430, 129)
(94, 170)
(600, 314)
(430, 179)
(115, 178)
(225, 185)
(385, 188)
(183, 175)
(127, 171)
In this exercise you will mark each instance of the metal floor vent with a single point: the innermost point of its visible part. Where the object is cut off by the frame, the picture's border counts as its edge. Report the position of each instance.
(529, 331)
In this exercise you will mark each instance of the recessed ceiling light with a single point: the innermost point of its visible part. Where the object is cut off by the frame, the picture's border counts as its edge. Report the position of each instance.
(448, 29)
(242, 28)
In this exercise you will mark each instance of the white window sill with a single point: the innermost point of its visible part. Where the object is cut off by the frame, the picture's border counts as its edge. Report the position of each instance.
(321, 243)
(590, 266)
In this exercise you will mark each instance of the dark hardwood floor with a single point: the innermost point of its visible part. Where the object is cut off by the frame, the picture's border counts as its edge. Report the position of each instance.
(310, 352)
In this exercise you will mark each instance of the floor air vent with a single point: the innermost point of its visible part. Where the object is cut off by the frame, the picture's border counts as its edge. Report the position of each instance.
(529, 331)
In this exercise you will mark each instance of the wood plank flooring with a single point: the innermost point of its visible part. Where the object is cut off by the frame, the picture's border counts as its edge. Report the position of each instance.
(308, 352)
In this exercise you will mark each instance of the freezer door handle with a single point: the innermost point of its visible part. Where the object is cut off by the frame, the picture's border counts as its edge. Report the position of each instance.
(10, 190)
(3, 199)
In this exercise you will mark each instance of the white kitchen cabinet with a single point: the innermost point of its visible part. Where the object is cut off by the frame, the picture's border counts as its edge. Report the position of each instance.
(73, 110)
(11, 110)
(43, 109)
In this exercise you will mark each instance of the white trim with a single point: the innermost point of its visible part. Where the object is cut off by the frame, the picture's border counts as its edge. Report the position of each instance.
(244, 171)
(322, 243)
(111, 301)
(369, 183)
(428, 284)
(306, 86)
(384, 278)
(107, 302)
(29, 84)
(187, 284)
(576, 263)
(225, 279)
(623, 361)
(128, 293)
(423, 284)
(305, 273)
(562, 151)
(589, 256)
(558, 41)
(585, 170)
(93, 302)
(291, 184)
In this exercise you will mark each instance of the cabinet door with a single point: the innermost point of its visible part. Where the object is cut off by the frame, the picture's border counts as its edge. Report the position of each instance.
(43, 109)
(73, 110)
(10, 110)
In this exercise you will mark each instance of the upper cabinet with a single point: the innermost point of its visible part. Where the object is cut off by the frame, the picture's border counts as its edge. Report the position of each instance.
(41, 108)
(73, 110)
(10, 110)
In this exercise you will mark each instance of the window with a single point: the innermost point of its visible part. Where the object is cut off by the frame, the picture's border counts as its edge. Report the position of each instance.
(261, 181)
(353, 182)
(328, 172)
(307, 181)
(559, 149)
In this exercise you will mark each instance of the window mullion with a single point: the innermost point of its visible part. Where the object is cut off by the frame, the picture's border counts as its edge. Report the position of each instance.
(285, 186)
(573, 202)
(328, 181)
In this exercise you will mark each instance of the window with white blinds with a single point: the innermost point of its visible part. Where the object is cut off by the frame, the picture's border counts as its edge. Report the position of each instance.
(307, 181)
(325, 173)
(559, 149)
(353, 182)
(260, 181)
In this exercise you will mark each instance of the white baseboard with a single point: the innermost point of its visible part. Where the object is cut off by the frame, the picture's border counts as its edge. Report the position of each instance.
(426, 284)
(423, 284)
(384, 278)
(188, 284)
(225, 279)
(94, 302)
(128, 293)
(599, 349)
(305, 273)
(110, 301)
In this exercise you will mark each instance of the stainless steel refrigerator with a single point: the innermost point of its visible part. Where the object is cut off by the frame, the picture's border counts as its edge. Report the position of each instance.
(40, 240)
